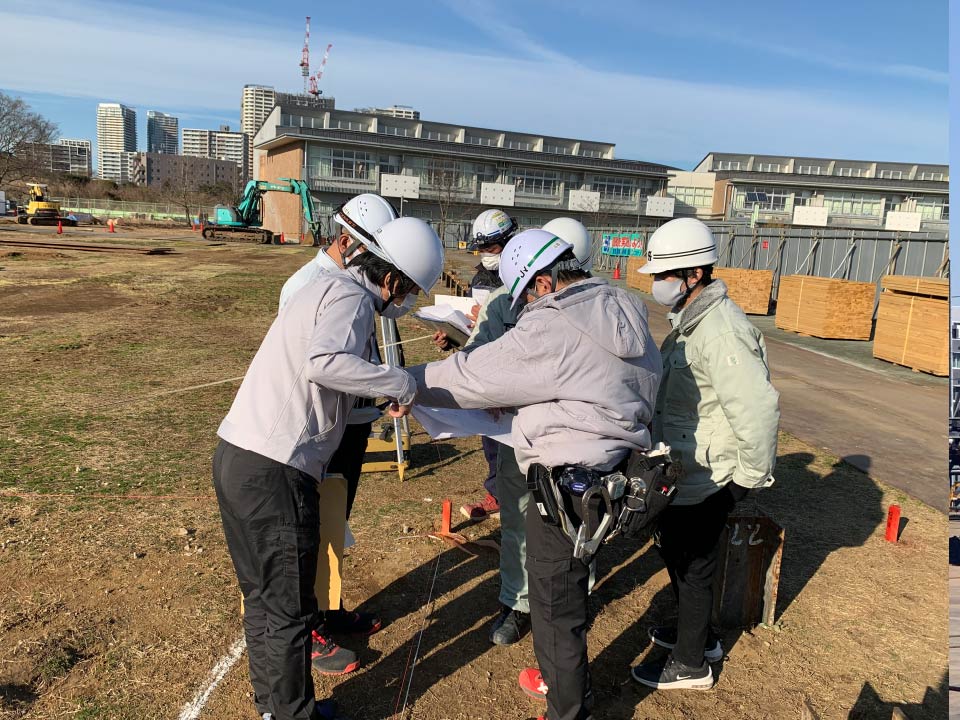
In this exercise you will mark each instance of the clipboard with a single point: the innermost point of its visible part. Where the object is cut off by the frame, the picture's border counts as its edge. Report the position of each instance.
(455, 335)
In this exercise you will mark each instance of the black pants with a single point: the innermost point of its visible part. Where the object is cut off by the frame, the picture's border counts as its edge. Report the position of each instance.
(271, 521)
(348, 459)
(558, 613)
(688, 539)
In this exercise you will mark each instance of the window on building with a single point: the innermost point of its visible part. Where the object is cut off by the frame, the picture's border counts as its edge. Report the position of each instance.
(890, 174)
(929, 175)
(768, 167)
(726, 165)
(479, 140)
(529, 181)
(557, 149)
(337, 163)
(349, 125)
(892, 204)
(848, 171)
(437, 135)
(390, 164)
(591, 153)
(852, 204)
(810, 170)
(519, 145)
(955, 331)
(933, 209)
(698, 197)
(614, 188)
(395, 130)
(768, 199)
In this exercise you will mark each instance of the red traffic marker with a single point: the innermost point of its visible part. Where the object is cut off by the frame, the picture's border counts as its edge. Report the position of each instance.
(445, 515)
(59, 227)
(616, 271)
(893, 523)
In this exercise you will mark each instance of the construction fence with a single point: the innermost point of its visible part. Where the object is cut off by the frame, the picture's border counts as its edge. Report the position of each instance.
(101, 208)
(847, 254)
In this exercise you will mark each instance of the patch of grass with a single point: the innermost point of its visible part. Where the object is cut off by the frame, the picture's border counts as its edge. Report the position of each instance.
(56, 661)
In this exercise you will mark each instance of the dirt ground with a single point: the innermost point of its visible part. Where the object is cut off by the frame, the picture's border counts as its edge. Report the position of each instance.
(119, 607)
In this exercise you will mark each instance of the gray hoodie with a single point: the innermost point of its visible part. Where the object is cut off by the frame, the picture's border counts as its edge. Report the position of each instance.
(294, 400)
(580, 367)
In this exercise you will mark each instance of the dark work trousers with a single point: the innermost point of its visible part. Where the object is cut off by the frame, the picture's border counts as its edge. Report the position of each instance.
(348, 459)
(271, 521)
(688, 536)
(491, 448)
(558, 613)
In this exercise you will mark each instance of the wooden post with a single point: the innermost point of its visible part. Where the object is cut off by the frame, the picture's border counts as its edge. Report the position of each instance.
(748, 572)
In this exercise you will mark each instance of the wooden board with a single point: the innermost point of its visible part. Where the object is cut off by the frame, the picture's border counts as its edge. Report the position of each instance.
(750, 289)
(637, 280)
(913, 331)
(748, 572)
(825, 307)
(915, 285)
(333, 524)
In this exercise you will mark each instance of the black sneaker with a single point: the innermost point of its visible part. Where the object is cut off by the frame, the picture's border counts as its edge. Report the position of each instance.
(328, 658)
(666, 636)
(671, 674)
(509, 627)
(347, 622)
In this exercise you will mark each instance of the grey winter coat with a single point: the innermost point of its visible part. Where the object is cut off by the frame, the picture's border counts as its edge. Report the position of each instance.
(580, 367)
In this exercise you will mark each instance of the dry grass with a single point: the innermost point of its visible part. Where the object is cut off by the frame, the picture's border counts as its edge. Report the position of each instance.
(110, 612)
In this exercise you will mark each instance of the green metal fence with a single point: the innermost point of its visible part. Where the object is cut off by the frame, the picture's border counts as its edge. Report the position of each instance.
(126, 209)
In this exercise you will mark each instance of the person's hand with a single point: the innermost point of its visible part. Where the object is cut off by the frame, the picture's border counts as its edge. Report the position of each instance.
(474, 313)
(441, 341)
(496, 412)
(396, 410)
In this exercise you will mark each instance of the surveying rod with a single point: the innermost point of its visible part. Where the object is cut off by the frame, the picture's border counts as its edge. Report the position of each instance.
(391, 356)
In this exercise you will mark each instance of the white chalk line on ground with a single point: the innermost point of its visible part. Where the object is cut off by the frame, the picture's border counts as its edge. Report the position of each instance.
(192, 710)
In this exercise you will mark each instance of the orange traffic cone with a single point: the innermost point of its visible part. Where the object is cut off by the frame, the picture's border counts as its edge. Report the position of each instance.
(110, 226)
(282, 239)
(616, 271)
(59, 227)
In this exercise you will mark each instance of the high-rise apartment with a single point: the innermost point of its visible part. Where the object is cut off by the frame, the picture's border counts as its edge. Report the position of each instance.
(116, 134)
(398, 111)
(162, 132)
(220, 145)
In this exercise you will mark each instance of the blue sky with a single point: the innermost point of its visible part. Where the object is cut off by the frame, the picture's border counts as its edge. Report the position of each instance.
(666, 82)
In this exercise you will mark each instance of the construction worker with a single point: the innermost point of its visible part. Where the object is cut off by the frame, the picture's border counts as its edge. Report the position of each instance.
(279, 436)
(719, 413)
(359, 217)
(581, 369)
(491, 231)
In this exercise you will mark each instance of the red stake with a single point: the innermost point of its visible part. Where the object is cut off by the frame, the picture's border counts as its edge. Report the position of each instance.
(445, 517)
(59, 227)
(616, 271)
(893, 523)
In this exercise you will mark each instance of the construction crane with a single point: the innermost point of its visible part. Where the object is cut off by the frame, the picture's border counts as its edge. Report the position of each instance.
(246, 217)
(315, 80)
(305, 57)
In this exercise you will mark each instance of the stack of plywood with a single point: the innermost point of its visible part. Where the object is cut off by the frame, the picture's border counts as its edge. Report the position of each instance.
(913, 323)
(637, 280)
(825, 307)
(750, 289)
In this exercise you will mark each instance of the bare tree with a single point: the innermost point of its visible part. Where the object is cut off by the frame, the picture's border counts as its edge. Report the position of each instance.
(450, 185)
(21, 130)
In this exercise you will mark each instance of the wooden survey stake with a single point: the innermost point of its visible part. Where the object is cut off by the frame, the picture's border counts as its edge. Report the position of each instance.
(748, 572)
(333, 525)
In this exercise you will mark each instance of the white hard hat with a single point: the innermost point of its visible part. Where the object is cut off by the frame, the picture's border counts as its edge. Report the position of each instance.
(680, 244)
(577, 235)
(363, 214)
(412, 247)
(492, 227)
(527, 254)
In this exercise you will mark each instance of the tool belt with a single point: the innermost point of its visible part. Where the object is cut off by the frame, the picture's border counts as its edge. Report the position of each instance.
(591, 506)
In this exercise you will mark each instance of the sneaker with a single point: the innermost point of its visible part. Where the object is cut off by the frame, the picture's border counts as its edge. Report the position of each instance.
(328, 658)
(509, 627)
(325, 710)
(485, 508)
(346, 622)
(666, 636)
(670, 674)
(531, 682)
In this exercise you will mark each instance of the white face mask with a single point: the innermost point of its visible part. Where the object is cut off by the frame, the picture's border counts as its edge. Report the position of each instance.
(393, 311)
(490, 261)
(668, 292)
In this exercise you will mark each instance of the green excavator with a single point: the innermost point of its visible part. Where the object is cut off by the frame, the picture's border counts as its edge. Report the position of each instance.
(246, 217)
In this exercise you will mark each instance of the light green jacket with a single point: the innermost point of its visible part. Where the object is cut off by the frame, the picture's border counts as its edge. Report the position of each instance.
(716, 407)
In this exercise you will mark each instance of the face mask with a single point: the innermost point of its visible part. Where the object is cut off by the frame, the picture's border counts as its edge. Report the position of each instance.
(490, 261)
(668, 292)
(392, 311)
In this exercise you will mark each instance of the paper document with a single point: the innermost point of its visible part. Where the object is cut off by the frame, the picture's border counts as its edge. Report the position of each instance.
(446, 319)
(443, 423)
(463, 304)
(480, 295)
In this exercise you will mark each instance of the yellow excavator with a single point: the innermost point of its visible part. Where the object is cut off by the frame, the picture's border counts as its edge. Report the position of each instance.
(41, 211)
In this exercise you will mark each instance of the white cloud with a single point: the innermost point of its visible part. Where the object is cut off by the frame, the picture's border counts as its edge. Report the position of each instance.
(167, 60)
